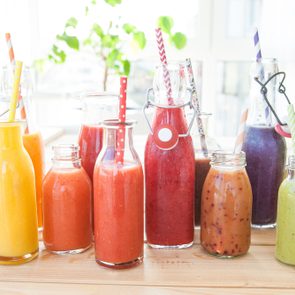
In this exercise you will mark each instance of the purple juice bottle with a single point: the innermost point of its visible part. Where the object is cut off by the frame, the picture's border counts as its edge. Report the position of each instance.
(265, 150)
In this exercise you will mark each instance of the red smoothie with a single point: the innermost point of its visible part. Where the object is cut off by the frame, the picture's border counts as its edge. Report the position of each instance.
(170, 186)
(90, 142)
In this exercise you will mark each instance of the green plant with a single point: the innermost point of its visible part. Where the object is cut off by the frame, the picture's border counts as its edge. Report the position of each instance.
(107, 42)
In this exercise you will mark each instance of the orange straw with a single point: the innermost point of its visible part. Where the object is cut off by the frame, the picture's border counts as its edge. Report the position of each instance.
(122, 119)
(12, 62)
(241, 132)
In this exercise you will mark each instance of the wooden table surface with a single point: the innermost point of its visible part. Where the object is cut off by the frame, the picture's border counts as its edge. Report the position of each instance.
(163, 272)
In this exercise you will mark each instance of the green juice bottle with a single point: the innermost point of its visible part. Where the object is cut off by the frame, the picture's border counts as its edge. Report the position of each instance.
(285, 238)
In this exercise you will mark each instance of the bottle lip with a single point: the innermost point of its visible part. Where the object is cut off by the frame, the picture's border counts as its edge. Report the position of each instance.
(97, 94)
(267, 60)
(66, 152)
(5, 123)
(115, 123)
(228, 159)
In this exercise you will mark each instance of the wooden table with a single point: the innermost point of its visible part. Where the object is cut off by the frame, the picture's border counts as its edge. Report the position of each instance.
(189, 271)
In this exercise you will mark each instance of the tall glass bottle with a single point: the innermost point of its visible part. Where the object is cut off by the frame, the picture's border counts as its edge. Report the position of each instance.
(169, 166)
(18, 217)
(118, 200)
(96, 108)
(265, 149)
(285, 238)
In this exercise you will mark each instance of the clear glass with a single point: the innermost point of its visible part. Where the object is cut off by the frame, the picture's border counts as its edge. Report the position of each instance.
(67, 203)
(18, 232)
(118, 200)
(96, 108)
(202, 162)
(170, 172)
(226, 206)
(285, 236)
(265, 150)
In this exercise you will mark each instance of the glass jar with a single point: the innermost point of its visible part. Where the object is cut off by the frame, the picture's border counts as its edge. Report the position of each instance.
(226, 206)
(18, 218)
(96, 108)
(265, 149)
(169, 165)
(285, 237)
(118, 200)
(67, 203)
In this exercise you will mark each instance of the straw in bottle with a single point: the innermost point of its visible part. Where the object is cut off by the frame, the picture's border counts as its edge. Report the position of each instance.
(196, 104)
(241, 132)
(122, 119)
(12, 62)
(15, 91)
(163, 59)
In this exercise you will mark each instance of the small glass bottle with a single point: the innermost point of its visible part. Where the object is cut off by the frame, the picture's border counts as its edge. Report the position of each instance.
(97, 107)
(18, 217)
(169, 165)
(265, 149)
(285, 238)
(226, 206)
(118, 200)
(67, 198)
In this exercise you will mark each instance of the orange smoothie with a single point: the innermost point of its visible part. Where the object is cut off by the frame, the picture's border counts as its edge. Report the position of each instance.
(118, 214)
(226, 208)
(67, 210)
(34, 145)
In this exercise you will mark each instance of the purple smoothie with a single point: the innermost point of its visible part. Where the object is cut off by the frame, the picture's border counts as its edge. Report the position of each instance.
(265, 155)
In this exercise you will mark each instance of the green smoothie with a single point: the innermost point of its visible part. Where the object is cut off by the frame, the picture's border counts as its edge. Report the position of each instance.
(285, 239)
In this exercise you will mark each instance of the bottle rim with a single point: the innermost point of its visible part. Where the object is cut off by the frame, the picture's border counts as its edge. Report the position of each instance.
(228, 159)
(115, 123)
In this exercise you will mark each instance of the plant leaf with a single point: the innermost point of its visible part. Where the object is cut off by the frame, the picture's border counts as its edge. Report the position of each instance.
(113, 2)
(71, 41)
(179, 40)
(165, 23)
(97, 29)
(128, 28)
(126, 67)
(71, 22)
(112, 57)
(58, 56)
(139, 38)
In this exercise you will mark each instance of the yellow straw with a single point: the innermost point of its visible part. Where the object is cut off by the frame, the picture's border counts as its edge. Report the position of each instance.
(15, 91)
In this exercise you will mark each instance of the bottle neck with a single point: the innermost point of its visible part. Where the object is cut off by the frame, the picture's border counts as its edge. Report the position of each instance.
(228, 160)
(66, 156)
(10, 135)
(291, 168)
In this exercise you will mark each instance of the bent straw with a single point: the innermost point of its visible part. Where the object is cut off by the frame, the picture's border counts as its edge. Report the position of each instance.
(163, 59)
(196, 104)
(15, 91)
(241, 132)
(122, 120)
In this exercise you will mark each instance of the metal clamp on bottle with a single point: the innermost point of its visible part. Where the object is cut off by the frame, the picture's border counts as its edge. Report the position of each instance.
(166, 136)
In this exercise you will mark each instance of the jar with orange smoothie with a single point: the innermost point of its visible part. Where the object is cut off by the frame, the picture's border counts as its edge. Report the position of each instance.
(18, 213)
(226, 206)
(67, 227)
(118, 200)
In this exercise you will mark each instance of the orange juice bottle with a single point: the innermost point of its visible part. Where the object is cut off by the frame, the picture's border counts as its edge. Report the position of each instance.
(18, 214)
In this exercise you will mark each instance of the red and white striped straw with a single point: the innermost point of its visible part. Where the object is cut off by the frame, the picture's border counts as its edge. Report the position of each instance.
(163, 59)
(241, 132)
(20, 99)
(122, 119)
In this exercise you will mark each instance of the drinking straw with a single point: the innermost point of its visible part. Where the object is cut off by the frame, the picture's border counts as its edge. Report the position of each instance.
(20, 99)
(291, 124)
(258, 56)
(163, 59)
(15, 91)
(122, 119)
(241, 132)
(196, 104)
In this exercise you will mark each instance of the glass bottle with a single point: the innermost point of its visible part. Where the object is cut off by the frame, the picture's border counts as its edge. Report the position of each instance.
(118, 200)
(285, 237)
(226, 206)
(265, 149)
(202, 162)
(96, 108)
(18, 217)
(169, 165)
(67, 203)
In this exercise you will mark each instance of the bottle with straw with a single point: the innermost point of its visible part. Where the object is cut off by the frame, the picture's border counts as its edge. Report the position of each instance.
(169, 160)
(118, 194)
(265, 149)
(18, 234)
